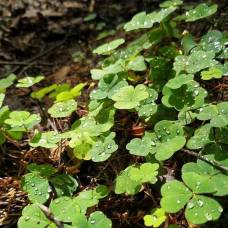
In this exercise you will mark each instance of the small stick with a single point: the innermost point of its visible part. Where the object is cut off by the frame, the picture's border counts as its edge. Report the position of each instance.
(50, 216)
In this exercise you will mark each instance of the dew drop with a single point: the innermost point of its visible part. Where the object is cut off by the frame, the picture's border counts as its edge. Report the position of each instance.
(33, 185)
(190, 205)
(178, 201)
(208, 216)
(27, 218)
(220, 209)
(109, 146)
(200, 203)
(92, 221)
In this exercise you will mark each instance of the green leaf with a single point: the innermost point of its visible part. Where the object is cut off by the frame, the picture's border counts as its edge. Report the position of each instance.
(191, 63)
(44, 91)
(115, 68)
(147, 107)
(188, 97)
(103, 149)
(7, 82)
(36, 186)
(156, 218)
(108, 47)
(65, 209)
(167, 149)
(195, 178)
(212, 72)
(188, 43)
(137, 64)
(147, 172)
(89, 198)
(144, 146)
(107, 87)
(28, 81)
(202, 209)
(212, 41)
(174, 196)
(46, 139)
(143, 20)
(215, 179)
(22, 120)
(98, 220)
(44, 170)
(171, 3)
(64, 184)
(63, 109)
(202, 136)
(124, 184)
(180, 80)
(201, 11)
(71, 94)
(32, 216)
(129, 97)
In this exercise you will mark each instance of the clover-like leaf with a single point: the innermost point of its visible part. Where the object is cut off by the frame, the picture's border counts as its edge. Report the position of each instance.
(148, 107)
(63, 109)
(201, 11)
(143, 20)
(195, 178)
(64, 184)
(115, 68)
(124, 184)
(44, 170)
(137, 64)
(7, 82)
(91, 197)
(187, 97)
(191, 63)
(175, 195)
(129, 97)
(155, 218)
(202, 177)
(218, 114)
(147, 172)
(36, 186)
(98, 219)
(28, 81)
(65, 209)
(22, 120)
(103, 149)
(171, 3)
(212, 72)
(108, 47)
(32, 216)
(202, 136)
(202, 209)
(212, 41)
(70, 94)
(46, 139)
(107, 87)
(144, 146)
(180, 80)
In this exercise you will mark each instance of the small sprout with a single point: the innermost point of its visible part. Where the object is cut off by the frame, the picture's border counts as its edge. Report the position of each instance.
(28, 81)
(156, 218)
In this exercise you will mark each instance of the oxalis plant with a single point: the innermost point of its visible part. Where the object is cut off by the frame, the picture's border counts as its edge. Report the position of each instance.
(158, 77)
